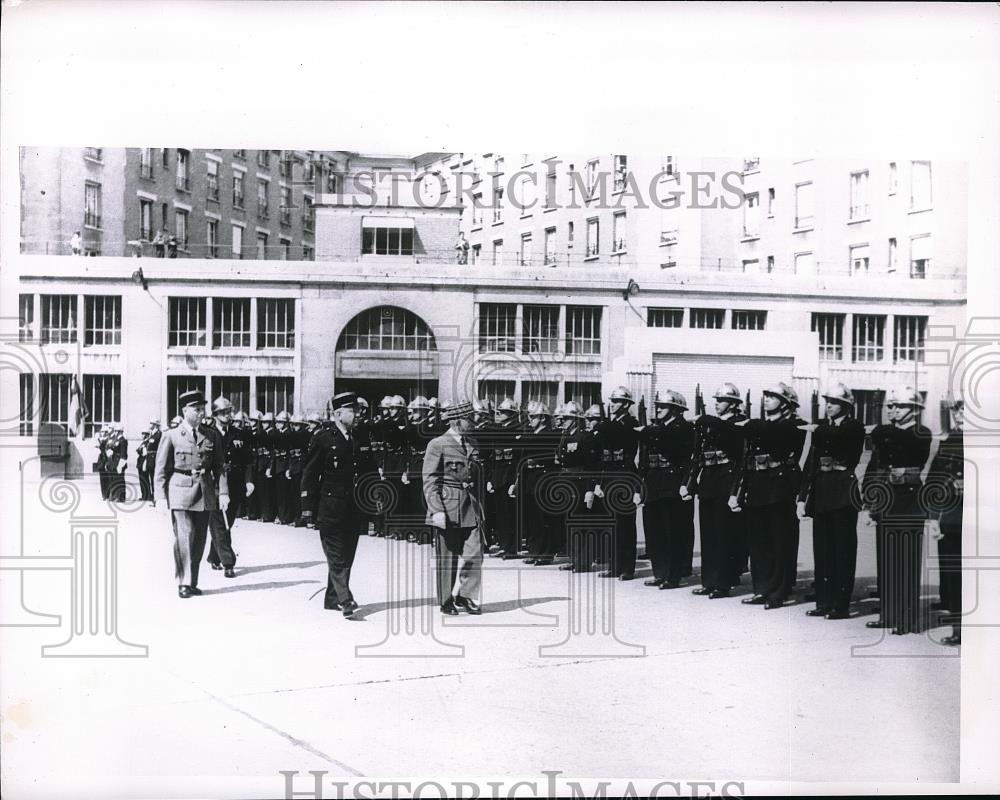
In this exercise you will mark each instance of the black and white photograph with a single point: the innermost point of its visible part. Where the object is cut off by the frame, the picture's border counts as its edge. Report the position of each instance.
(499, 400)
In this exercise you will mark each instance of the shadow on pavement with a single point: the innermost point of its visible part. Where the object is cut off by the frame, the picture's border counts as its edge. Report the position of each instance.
(254, 587)
(367, 610)
(265, 567)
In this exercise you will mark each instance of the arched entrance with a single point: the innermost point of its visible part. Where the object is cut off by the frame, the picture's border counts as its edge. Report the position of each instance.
(386, 350)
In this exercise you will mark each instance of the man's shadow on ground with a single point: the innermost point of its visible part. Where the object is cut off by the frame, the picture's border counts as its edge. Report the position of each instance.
(265, 567)
(254, 587)
(369, 609)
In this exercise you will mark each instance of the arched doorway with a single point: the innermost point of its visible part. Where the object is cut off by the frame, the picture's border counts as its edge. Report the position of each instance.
(386, 350)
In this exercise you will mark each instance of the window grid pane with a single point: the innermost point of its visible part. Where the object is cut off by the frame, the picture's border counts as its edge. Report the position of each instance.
(830, 328)
(235, 388)
(540, 329)
(103, 396)
(586, 393)
(664, 317)
(26, 317)
(178, 385)
(103, 320)
(583, 330)
(231, 322)
(909, 337)
(58, 319)
(749, 320)
(26, 415)
(545, 391)
(707, 317)
(188, 322)
(869, 335)
(275, 394)
(386, 328)
(53, 396)
(495, 391)
(275, 323)
(497, 323)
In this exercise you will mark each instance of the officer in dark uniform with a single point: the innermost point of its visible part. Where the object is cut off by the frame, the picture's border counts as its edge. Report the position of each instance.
(829, 495)
(394, 459)
(418, 434)
(362, 433)
(948, 472)
(266, 444)
(539, 447)
(892, 485)
(767, 487)
(665, 448)
(236, 461)
(298, 445)
(282, 441)
(379, 429)
(619, 445)
(717, 452)
(506, 456)
(579, 459)
(117, 461)
(144, 464)
(483, 426)
(241, 425)
(329, 479)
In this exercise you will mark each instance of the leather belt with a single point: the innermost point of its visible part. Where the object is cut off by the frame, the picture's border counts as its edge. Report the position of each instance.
(899, 476)
(765, 462)
(191, 473)
(828, 464)
(710, 458)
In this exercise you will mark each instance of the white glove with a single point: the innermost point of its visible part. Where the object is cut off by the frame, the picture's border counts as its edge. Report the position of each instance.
(588, 499)
(122, 468)
(683, 492)
(598, 492)
(288, 474)
(734, 504)
(512, 490)
(868, 518)
(267, 472)
(381, 474)
(223, 501)
(489, 486)
(637, 498)
(250, 488)
(405, 479)
(439, 520)
(934, 529)
(800, 509)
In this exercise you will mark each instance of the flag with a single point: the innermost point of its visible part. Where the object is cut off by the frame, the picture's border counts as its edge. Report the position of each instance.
(78, 410)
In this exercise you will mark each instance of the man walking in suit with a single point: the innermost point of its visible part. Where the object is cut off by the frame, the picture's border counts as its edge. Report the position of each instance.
(189, 466)
(451, 476)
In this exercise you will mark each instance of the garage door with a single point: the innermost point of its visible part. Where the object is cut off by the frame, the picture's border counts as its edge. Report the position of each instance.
(683, 371)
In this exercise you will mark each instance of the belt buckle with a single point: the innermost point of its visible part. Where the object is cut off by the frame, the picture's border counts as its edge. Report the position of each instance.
(959, 484)
(761, 462)
(897, 475)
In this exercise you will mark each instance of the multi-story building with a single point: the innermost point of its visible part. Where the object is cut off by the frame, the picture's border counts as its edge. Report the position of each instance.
(576, 300)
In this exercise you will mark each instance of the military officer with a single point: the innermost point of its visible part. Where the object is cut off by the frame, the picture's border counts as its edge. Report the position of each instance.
(266, 444)
(506, 456)
(394, 435)
(117, 462)
(189, 468)
(103, 459)
(948, 471)
(483, 426)
(450, 475)
(899, 453)
(665, 448)
(143, 466)
(239, 478)
(362, 433)
(829, 495)
(255, 434)
(539, 446)
(619, 445)
(329, 480)
(767, 486)
(298, 441)
(579, 458)
(282, 442)
(418, 435)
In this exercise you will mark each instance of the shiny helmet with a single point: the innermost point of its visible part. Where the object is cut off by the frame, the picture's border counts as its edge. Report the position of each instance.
(385, 402)
(839, 393)
(728, 392)
(418, 402)
(268, 417)
(433, 403)
(560, 412)
(785, 393)
(594, 412)
(572, 409)
(256, 416)
(154, 425)
(221, 404)
(482, 407)
(905, 396)
(314, 419)
(283, 416)
(671, 399)
(239, 418)
(536, 408)
(397, 401)
(507, 405)
(298, 419)
(620, 394)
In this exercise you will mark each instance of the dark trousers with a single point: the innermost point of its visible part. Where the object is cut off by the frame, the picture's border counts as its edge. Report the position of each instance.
(623, 554)
(414, 509)
(589, 533)
(774, 547)
(116, 487)
(145, 484)
(220, 551)
(506, 520)
(723, 543)
(295, 499)
(899, 541)
(541, 529)
(950, 560)
(340, 543)
(835, 552)
(283, 499)
(266, 498)
(489, 501)
(106, 484)
(667, 525)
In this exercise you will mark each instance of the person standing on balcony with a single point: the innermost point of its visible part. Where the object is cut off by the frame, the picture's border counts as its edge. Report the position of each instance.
(462, 249)
(76, 244)
(160, 243)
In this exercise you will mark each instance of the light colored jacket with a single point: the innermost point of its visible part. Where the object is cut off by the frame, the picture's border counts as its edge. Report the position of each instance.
(451, 475)
(189, 470)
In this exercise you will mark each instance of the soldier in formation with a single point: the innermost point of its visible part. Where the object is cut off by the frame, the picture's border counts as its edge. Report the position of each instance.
(145, 463)
(948, 474)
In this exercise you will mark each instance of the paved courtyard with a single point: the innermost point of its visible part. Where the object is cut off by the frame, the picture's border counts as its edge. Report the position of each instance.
(254, 676)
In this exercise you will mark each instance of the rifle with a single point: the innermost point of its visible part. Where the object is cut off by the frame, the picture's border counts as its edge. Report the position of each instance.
(749, 406)
(642, 410)
(699, 401)
(762, 405)
(815, 407)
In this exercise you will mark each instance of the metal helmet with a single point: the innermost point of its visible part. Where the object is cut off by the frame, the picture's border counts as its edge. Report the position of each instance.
(397, 401)
(785, 393)
(672, 399)
(560, 412)
(433, 403)
(839, 393)
(594, 412)
(256, 416)
(221, 404)
(361, 402)
(536, 408)
(239, 417)
(620, 394)
(508, 405)
(729, 392)
(418, 402)
(298, 419)
(482, 406)
(154, 424)
(283, 416)
(905, 396)
(314, 419)
(385, 402)
(572, 409)
(268, 417)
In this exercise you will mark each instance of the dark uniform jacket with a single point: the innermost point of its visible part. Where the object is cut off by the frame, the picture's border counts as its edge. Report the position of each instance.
(236, 450)
(539, 448)
(579, 455)
(392, 451)
(281, 442)
(665, 458)
(898, 457)
(331, 472)
(263, 452)
(948, 473)
(142, 457)
(718, 450)
(619, 443)
(417, 438)
(829, 482)
(506, 454)
(298, 446)
(769, 471)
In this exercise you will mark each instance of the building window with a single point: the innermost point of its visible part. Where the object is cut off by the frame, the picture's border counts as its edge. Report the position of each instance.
(238, 190)
(275, 323)
(92, 204)
(387, 241)
(146, 219)
(707, 317)
(893, 178)
(544, 391)
(286, 249)
(572, 186)
(386, 328)
(263, 158)
(308, 170)
(212, 189)
(497, 327)
(262, 199)
(525, 196)
(94, 153)
(920, 256)
(308, 214)
(664, 317)
(237, 241)
(183, 175)
(593, 176)
(307, 253)
(497, 200)
(669, 225)
(477, 210)
(570, 228)
(146, 163)
(540, 329)
(805, 264)
(920, 185)
(165, 158)
(240, 154)
(188, 322)
(908, 339)
(583, 330)
(749, 320)
(235, 388)
(618, 241)
(869, 337)
(830, 328)
(550, 246)
(26, 414)
(751, 265)
(477, 252)
(230, 322)
(770, 264)
(893, 255)
(178, 385)
(212, 235)
(525, 249)
(751, 216)
(26, 318)
(103, 396)
(669, 166)
(275, 394)
(496, 391)
(586, 393)
(497, 252)
(859, 258)
(621, 173)
(181, 227)
(770, 202)
(261, 245)
(593, 237)
(550, 184)
(804, 205)
(58, 319)
(332, 182)
(102, 316)
(859, 195)
(53, 397)
(285, 210)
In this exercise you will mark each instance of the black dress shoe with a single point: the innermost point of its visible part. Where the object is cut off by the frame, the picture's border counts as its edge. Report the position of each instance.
(953, 640)
(627, 576)
(702, 590)
(467, 605)
(817, 612)
(448, 607)
(719, 593)
(771, 604)
(876, 623)
(839, 615)
(334, 607)
(230, 572)
(652, 582)
(756, 600)
(348, 608)
(670, 585)
(216, 566)
(194, 590)
(184, 591)
(543, 562)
